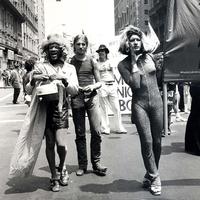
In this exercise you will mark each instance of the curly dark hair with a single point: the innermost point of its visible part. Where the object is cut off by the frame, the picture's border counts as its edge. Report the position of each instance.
(29, 64)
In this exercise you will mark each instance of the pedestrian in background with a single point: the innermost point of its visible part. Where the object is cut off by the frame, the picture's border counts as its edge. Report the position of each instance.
(192, 133)
(5, 77)
(29, 66)
(138, 70)
(15, 80)
(108, 93)
(87, 101)
(44, 118)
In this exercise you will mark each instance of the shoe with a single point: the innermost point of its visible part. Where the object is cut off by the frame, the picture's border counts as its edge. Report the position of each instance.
(169, 131)
(16, 102)
(64, 178)
(80, 172)
(105, 133)
(146, 183)
(180, 119)
(55, 187)
(155, 190)
(155, 187)
(99, 170)
(163, 133)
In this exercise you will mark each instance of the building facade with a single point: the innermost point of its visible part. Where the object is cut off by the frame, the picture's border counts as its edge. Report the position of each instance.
(21, 30)
(30, 30)
(11, 18)
(134, 12)
(158, 15)
(41, 22)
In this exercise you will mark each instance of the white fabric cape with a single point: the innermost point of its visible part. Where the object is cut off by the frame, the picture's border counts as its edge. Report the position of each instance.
(29, 140)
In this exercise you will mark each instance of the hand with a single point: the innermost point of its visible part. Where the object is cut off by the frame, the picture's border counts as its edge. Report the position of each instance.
(132, 51)
(41, 77)
(88, 88)
(55, 77)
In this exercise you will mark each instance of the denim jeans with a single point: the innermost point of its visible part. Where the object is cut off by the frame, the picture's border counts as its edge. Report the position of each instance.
(91, 106)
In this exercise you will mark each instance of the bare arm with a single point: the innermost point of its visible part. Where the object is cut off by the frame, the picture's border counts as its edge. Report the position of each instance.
(97, 83)
(131, 77)
(72, 87)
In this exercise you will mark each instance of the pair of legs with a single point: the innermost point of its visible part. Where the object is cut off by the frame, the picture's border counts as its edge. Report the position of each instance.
(149, 123)
(59, 138)
(109, 98)
(56, 135)
(16, 95)
(91, 106)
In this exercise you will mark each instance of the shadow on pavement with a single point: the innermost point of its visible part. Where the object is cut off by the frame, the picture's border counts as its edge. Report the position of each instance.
(120, 185)
(70, 168)
(182, 182)
(30, 184)
(178, 147)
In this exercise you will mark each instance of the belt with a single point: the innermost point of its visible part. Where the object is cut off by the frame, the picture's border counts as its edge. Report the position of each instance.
(109, 83)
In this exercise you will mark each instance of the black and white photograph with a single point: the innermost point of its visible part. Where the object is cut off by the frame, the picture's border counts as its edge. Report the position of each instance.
(99, 99)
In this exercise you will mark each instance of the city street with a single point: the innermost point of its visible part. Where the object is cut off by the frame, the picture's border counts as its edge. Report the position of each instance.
(179, 171)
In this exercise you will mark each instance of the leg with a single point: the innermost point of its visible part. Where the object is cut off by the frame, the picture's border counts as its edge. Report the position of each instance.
(142, 122)
(79, 123)
(93, 110)
(156, 120)
(114, 104)
(61, 140)
(50, 154)
(16, 95)
(104, 115)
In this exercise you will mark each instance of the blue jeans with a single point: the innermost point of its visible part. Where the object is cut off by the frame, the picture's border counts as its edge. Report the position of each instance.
(149, 123)
(91, 106)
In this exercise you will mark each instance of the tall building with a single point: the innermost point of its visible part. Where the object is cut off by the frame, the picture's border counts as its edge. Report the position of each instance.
(135, 12)
(158, 14)
(11, 18)
(41, 20)
(21, 30)
(30, 30)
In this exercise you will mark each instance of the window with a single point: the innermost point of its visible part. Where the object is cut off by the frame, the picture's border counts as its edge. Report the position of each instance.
(146, 22)
(146, 12)
(146, 2)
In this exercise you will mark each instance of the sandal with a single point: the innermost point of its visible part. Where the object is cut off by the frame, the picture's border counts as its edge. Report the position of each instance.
(155, 187)
(64, 177)
(55, 186)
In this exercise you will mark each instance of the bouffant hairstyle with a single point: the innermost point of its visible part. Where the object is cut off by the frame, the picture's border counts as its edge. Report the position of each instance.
(57, 39)
(126, 35)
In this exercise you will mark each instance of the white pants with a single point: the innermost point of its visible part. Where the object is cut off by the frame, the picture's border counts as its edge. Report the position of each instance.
(109, 97)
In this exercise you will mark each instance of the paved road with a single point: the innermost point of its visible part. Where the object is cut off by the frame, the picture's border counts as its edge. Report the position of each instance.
(121, 153)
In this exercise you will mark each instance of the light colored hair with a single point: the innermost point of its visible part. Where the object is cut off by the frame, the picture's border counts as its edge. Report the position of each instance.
(126, 35)
(78, 37)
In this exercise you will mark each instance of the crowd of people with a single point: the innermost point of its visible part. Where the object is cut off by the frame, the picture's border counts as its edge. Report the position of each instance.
(87, 86)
